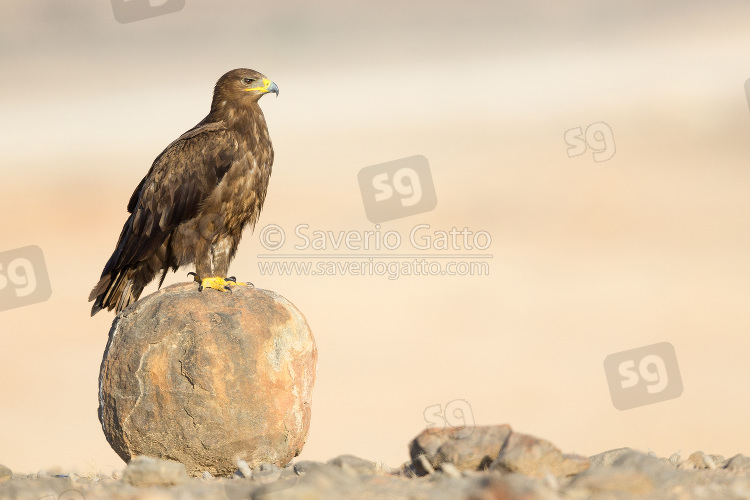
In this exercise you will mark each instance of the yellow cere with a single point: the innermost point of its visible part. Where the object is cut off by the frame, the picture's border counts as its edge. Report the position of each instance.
(264, 88)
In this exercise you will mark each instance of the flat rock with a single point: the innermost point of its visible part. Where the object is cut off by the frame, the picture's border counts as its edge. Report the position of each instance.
(207, 378)
(534, 457)
(147, 471)
(474, 451)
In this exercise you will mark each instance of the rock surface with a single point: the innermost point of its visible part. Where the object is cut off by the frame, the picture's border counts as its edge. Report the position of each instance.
(494, 447)
(208, 378)
(147, 471)
(466, 450)
(536, 457)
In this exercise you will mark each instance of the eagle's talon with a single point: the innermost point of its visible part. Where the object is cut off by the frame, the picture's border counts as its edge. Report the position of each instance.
(233, 282)
(221, 284)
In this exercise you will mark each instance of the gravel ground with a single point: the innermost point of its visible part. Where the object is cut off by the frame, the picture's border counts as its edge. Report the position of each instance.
(443, 465)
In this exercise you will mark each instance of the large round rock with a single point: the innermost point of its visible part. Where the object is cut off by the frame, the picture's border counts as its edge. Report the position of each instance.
(207, 378)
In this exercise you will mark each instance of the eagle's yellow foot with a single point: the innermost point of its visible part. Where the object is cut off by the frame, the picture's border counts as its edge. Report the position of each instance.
(221, 284)
(233, 281)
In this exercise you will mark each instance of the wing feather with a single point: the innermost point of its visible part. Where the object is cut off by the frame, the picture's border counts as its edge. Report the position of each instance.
(180, 178)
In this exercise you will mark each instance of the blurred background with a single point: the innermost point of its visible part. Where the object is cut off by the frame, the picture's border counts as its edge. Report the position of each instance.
(589, 258)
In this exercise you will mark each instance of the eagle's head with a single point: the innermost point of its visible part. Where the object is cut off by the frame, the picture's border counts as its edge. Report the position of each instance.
(241, 87)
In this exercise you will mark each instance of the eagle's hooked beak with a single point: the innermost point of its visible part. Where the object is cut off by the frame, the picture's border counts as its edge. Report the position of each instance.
(268, 86)
(272, 88)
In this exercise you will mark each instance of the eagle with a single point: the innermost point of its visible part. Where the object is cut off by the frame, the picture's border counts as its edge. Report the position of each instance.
(198, 196)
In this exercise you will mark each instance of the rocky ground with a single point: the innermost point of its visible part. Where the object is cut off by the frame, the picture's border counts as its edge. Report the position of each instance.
(484, 463)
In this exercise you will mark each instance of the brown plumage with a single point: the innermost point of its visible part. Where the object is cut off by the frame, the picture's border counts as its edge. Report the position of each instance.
(199, 194)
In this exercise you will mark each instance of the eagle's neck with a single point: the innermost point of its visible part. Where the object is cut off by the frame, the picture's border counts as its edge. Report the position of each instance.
(246, 119)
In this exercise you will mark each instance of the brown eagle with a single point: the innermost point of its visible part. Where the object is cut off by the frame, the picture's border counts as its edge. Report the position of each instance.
(199, 194)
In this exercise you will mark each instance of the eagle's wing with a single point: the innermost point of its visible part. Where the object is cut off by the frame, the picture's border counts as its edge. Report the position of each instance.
(180, 178)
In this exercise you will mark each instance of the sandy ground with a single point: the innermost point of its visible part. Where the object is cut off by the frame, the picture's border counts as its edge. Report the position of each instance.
(587, 258)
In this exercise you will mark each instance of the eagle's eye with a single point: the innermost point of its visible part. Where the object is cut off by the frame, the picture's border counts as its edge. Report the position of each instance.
(248, 81)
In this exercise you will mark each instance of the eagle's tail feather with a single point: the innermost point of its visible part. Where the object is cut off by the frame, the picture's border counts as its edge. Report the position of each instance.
(121, 288)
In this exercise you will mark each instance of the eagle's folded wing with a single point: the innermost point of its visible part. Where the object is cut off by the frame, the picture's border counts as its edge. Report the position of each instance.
(181, 177)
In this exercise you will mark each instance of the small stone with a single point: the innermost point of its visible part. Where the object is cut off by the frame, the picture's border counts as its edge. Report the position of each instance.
(674, 459)
(266, 473)
(116, 474)
(426, 465)
(5, 473)
(147, 471)
(319, 481)
(305, 466)
(353, 464)
(473, 452)
(535, 457)
(449, 469)
(207, 475)
(409, 470)
(701, 461)
(244, 469)
(738, 463)
(288, 472)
